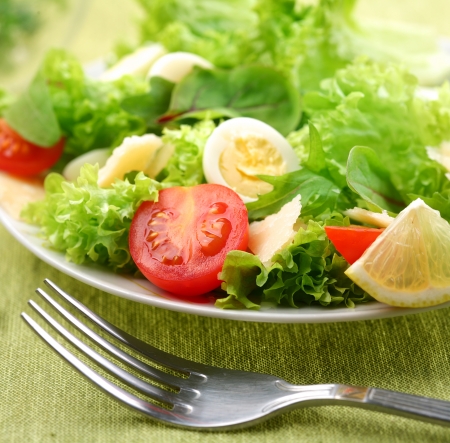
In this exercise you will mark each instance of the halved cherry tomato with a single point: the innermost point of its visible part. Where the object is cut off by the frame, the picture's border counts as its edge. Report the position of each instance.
(352, 241)
(180, 242)
(21, 157)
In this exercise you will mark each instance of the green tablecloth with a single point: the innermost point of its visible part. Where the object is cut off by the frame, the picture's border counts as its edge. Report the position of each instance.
(43, 399)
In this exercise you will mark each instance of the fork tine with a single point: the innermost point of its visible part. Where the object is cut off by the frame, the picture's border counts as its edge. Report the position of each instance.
(133, 381)
(164, 358)
(155, 374)
(174, 416)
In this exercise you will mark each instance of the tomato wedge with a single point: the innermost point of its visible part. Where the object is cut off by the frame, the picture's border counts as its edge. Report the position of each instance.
(21, 157)
(180, 242)
(351, 241)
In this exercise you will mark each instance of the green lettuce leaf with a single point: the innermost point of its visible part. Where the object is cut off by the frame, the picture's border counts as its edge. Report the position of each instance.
(217, 30)
(88, 111)
(32, 114)
(368, 177)
(6, 100)
(309, 271)
(318, 194)
(185, 167)
(152, 105)
(288, 36)
(374, 105)
(88, 223)
(308, 42)
(439, 201)
(415, 47)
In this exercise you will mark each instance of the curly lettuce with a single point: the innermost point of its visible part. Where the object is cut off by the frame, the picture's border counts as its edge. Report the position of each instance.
(308, 271)
(286, 35)
(90, 224)
(375, 105)
(307, 42)
(89, 111)
(185, 167)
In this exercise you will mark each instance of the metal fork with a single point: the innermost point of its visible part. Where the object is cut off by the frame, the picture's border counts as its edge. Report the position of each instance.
(207, 397)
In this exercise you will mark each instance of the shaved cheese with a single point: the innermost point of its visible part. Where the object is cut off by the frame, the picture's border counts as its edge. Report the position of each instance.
(134, 154)
(72, 170)
(160, 160)
(382, 220)
(276, 231)
(16, 193)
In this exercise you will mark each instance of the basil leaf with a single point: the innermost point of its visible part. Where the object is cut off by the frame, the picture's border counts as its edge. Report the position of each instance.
(252, 91)
(32, 115)
(369, 178)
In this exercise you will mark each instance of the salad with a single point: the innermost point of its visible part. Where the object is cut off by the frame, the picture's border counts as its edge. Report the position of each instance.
(265, 154)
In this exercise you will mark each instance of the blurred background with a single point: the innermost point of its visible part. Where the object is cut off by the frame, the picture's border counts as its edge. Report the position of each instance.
(93, 29)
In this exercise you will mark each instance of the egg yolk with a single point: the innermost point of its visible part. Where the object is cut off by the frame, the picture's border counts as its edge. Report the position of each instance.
(248, 155)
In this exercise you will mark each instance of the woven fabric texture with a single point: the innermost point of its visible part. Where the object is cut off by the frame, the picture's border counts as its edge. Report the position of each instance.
(43, 399)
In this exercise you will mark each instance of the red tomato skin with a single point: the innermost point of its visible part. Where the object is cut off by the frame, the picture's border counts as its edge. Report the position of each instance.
(186, 209)
(352, 241)
(21, 157)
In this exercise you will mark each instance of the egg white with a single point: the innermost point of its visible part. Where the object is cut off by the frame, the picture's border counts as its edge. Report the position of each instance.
(221, 138)
(176, 65)
(136, 63)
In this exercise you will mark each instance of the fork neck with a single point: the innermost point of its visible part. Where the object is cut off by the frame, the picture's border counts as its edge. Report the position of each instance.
(316, 395)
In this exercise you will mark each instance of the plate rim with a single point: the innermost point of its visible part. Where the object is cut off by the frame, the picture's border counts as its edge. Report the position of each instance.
(26, 235)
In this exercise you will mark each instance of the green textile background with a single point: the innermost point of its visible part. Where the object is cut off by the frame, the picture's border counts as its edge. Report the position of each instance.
(43, 399)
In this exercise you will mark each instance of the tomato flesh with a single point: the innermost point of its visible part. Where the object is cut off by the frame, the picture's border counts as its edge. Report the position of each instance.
(352, 241)
(180, 242)
(21, 157)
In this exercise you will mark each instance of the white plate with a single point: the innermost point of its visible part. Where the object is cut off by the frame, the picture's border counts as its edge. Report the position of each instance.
(142, 291)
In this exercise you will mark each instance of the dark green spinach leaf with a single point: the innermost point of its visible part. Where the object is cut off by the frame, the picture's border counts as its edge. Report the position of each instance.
(32, 115)
(152, 105)
(369, 178)
(251, 91)
(318, 194)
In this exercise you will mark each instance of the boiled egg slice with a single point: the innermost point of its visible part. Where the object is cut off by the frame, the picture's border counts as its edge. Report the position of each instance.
(136, 63)
(176, 65)
(241, 148)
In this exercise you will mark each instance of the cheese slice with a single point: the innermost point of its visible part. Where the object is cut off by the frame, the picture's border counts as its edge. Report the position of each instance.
(16, 192)
(134, 154)
(275, 232)
(380, 220)
(72, 170)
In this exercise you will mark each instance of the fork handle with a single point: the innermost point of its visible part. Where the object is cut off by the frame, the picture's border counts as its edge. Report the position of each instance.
(406, 405)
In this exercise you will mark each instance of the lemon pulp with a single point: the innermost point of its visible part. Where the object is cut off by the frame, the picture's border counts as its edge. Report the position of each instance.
(409, 264)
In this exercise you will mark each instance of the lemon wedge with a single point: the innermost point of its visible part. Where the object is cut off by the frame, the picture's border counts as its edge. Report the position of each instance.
(408, 265)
